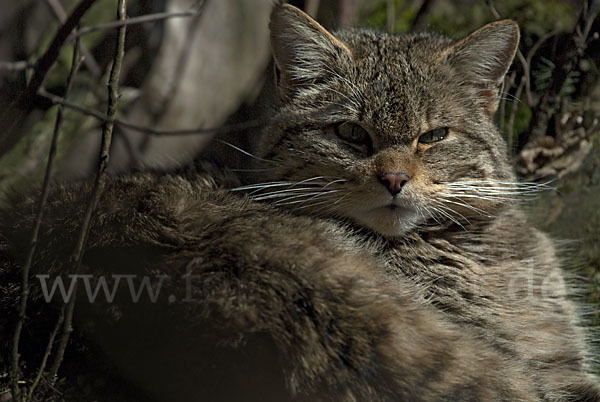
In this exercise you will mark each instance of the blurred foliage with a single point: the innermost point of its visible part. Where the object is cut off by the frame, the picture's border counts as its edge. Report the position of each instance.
(18, 167)
(24, 165)
(522, 117)
(543, 72)
(456, 18)
(576, 207)
(374, 14)
(101, 12)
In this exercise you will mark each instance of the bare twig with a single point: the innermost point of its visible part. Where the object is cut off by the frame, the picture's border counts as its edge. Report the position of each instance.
(151, 131)
(50, 384)
(526, 66)
(391, 15)
(525, 78)
(513, 113)
(48, 351)
(15, 65)
(567, 59)
(36, 229)
(347, 12)
(528, 60)
(493, 10)
(12, 117)
(422, 14)
(58, 10)
(74, 67)
(135, 20)
(174, 80)
(89, 59)
(77, 256)
(509, 82)
(312, 7)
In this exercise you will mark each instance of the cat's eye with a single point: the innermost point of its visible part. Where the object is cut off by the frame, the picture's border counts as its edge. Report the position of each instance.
(434, 135)
(352, 133)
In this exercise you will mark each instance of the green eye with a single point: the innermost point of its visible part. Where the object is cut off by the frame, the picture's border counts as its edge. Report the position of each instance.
(352, 133)
(434, 135)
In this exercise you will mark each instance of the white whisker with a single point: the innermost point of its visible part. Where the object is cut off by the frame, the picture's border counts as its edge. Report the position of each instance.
(283, 193)
(314, 194)
(466, 205)
(242, 151)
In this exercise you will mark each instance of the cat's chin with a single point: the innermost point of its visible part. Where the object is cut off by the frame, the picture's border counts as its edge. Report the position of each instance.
(389, 221)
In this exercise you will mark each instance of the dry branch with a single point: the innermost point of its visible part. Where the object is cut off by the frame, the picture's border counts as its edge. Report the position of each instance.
(89, 59)
(567, 59)
(312, 7)
(391, 15)
(15, 357)
(15, 65)
(57, 100)
(12, 117)
(421, 16)
(513, 114)
(77, 256)
(173, 85)
(47, 352)
(135, 20)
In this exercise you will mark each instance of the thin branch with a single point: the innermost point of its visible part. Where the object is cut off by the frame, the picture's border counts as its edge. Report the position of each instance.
(12, 117)
(58, 10)
(529, 59)
(509, 82)
(15, 65)
(174, 80)
(312, 7)
(135, 20)
(47, 353)
(493, 10)
(419, 20)
(347, 12)
(526, 66)
(391, 15)
(89, 59)
(151, 131)
(526, 76)
(566, 60)
(77, 257)
(36, 228)
(513, 113)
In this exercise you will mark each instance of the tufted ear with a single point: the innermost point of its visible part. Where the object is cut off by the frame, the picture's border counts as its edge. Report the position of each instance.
(305, 53)
(484, 57)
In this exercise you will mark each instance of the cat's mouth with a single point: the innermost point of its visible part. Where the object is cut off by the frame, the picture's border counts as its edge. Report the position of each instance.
(396, 204)
(396, 207)
(398, 210)
(389, 219)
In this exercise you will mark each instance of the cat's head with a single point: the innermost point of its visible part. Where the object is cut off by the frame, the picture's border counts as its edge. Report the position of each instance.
(389, 131)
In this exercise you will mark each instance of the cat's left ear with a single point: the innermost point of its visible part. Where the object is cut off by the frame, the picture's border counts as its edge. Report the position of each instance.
(484, 57)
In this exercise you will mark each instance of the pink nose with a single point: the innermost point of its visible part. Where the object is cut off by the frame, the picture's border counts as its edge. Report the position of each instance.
(394, 181)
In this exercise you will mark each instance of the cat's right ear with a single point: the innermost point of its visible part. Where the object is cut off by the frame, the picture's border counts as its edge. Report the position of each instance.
(305, 53)
(484, 57)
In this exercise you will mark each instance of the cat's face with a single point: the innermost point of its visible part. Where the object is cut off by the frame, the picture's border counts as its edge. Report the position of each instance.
(391, 132)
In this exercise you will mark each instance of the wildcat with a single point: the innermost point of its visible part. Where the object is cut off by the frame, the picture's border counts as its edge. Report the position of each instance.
(377, 255)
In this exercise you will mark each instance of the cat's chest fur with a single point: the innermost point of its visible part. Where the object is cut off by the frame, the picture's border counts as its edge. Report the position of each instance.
(480, 271)
(507, 289)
